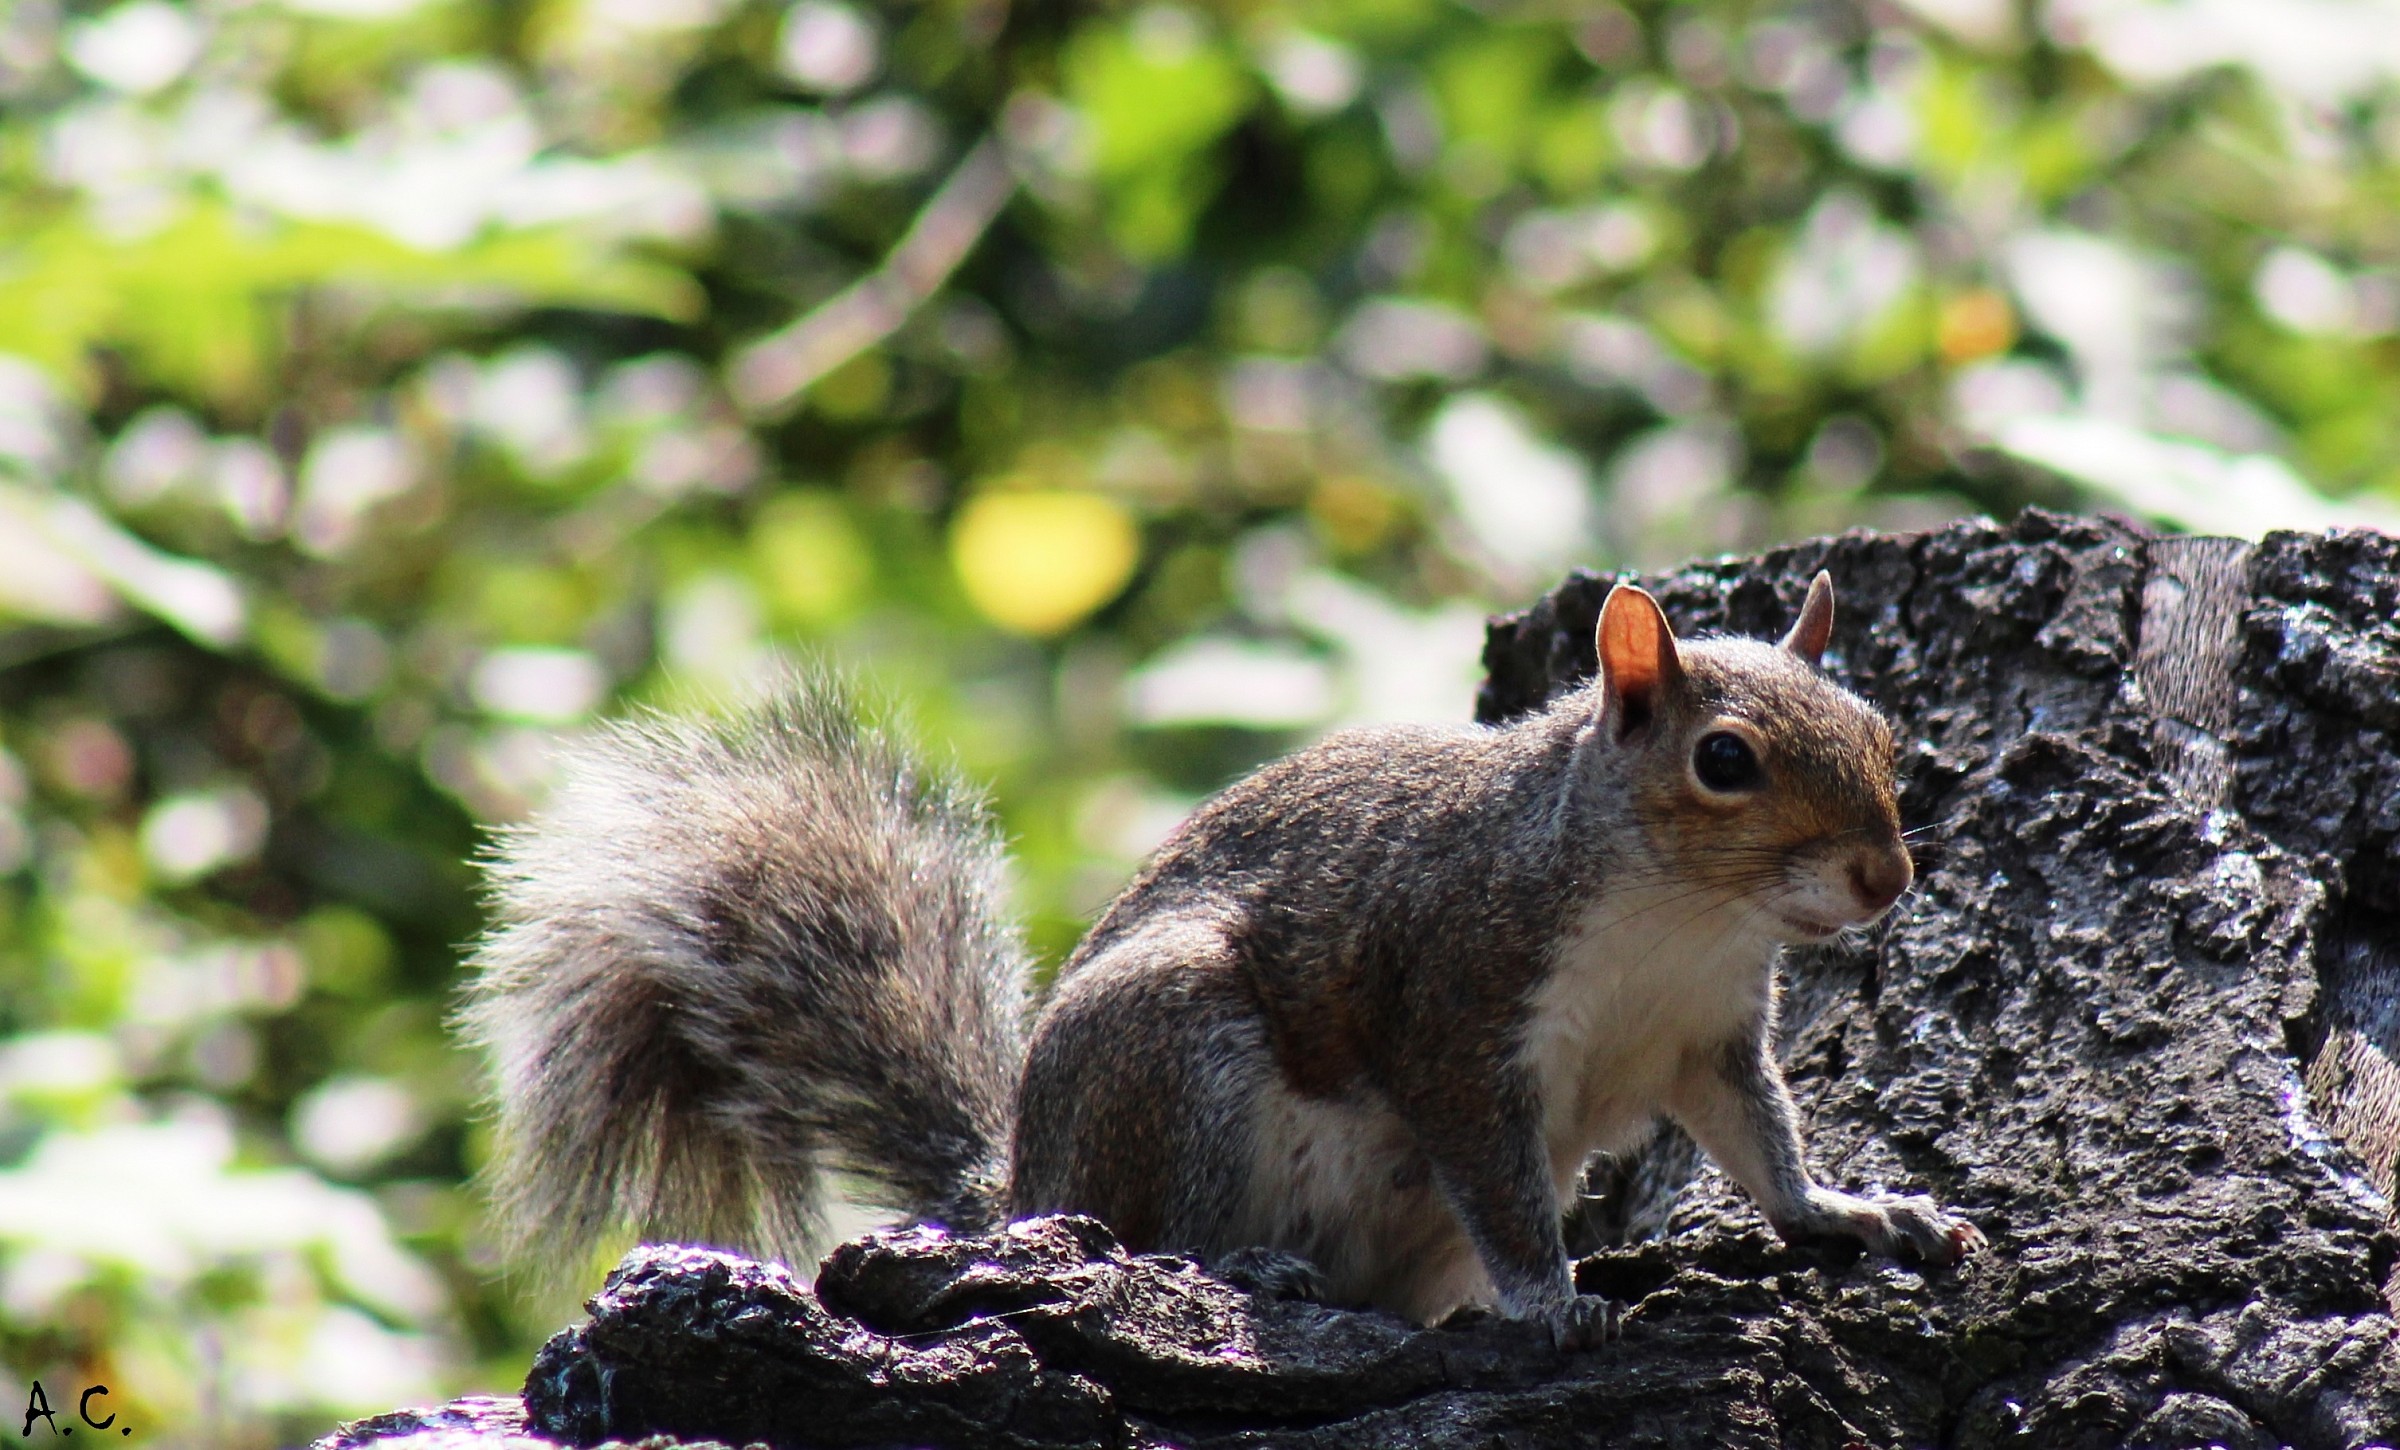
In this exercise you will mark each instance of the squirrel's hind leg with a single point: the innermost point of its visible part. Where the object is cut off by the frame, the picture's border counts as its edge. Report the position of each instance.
(1136, 1102)
(1152, 1099)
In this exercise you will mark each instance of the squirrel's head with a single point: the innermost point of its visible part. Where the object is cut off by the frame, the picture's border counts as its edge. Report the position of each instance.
(1747, 769)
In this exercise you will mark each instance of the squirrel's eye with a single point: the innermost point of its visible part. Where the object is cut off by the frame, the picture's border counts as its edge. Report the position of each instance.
(1725, 762)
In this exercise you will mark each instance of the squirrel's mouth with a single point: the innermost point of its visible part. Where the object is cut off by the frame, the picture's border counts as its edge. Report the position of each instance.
(1809, 928)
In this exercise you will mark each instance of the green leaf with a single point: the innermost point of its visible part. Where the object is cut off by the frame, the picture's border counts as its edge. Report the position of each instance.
(198, 303)
(1158, 93)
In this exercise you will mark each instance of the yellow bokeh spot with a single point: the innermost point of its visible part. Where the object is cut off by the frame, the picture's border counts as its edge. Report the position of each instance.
(813, 565)
(1356, 514)
(1976, 325)
(1037, 563)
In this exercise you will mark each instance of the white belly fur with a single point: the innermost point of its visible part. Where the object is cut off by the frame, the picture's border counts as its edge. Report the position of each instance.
(1634, 988)
(1637, 986)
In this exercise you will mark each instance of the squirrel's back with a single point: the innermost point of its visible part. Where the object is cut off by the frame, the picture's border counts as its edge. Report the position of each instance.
(1345, 829)
(733, 955)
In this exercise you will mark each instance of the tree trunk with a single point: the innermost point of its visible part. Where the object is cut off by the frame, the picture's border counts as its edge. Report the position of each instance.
(2139, 1021)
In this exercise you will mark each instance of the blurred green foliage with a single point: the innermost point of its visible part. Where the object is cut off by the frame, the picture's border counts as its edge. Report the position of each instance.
(389, 385)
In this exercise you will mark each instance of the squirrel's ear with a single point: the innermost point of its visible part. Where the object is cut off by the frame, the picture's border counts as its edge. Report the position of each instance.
(1815, 624)
(1638, 658)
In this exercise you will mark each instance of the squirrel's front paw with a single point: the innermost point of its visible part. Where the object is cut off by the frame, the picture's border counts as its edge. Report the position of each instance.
(1922, 1229)
(1586, 1321)
(1913, 1228)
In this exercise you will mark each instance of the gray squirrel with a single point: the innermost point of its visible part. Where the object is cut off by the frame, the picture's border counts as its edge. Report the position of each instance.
(1372, 1007)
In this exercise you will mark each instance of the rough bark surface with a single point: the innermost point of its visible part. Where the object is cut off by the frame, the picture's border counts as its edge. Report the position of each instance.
(2139, 1020)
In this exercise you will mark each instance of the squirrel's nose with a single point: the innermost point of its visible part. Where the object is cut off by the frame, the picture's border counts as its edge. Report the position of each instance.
(1878, 877)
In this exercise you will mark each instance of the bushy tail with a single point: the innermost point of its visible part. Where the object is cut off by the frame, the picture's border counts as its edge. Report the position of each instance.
(731, 956)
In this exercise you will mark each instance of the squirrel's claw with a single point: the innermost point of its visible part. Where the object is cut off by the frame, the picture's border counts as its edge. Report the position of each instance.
(1965, 1239)
(1586, 1321)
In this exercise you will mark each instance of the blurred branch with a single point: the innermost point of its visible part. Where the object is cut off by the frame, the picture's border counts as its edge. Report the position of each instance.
(70, 546)
(771, 373)
(34, 643)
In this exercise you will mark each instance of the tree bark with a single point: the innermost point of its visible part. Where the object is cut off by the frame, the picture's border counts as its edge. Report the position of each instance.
(2139, 1021)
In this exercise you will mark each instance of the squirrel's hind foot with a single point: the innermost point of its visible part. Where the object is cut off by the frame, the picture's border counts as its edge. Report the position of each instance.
(1270, 1274)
